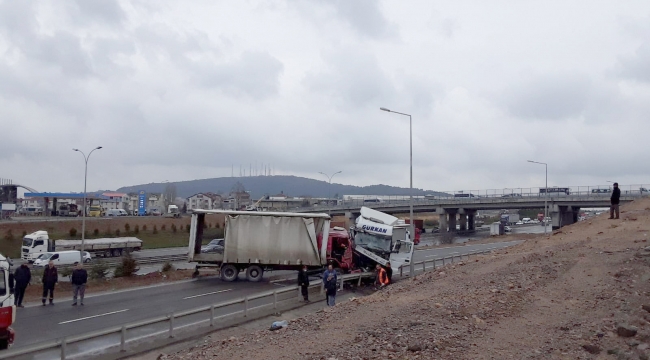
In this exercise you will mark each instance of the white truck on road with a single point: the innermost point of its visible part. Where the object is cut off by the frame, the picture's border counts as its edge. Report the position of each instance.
(261, 241)
(38, 243)
(381, 238)
(173, 211)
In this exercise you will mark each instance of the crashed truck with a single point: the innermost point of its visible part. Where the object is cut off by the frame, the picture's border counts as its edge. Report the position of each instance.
(255, 242)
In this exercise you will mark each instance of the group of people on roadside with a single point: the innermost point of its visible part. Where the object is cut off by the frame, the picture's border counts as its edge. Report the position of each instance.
(330, 281)
(23, 277)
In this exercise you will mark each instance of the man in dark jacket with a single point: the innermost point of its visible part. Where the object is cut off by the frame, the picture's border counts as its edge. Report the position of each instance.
(78, 280)
(330, 288)
(616, 195)
(50, 278)
(22, 277)
(303, 282)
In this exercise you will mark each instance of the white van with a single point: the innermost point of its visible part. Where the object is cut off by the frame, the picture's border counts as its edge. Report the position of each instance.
(61, 258)
(116, 212)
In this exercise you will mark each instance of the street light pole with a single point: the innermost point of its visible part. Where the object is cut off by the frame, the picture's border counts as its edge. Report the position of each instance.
(83, 220)
(412, 227)
(329, 187)
(545, 194)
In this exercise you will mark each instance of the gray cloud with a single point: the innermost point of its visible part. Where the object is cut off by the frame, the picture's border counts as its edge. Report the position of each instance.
(637, 66)
(550, 97)
(366, 17)
(107, 11)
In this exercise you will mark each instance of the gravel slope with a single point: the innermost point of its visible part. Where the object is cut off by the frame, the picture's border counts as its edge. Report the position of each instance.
(577, 294)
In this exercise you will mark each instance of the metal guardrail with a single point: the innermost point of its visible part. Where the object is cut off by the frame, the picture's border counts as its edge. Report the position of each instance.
(123, 330)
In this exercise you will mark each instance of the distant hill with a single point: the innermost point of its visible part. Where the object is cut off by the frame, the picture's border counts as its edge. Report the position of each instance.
(272, 185)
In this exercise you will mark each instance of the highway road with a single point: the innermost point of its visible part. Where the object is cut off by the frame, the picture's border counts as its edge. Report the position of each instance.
(37, 323)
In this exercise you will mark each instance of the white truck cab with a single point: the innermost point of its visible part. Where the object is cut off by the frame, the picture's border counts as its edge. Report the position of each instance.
(34, 245)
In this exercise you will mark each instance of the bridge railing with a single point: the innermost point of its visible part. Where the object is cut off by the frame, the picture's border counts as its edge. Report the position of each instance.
(506, 194)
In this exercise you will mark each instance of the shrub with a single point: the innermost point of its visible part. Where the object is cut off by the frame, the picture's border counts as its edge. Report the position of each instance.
(127, 267)
(218, 226)
(127, 228)
(210, 225)
(155, 229)
(96, 232)
(73, 232)
(65, 271)
(137, 229)
(99, 271)
(163, 227)
(117, 232)
(187, 227)
(174, 228)
(144, 227)
(9, 236)
(167, 267)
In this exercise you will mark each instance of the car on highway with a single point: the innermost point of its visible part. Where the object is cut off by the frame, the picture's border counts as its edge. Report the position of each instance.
(519, 223)
(61, 258)
(214, 246)
(155, 212)
(511, 195)
(507, 229)
(116, 212)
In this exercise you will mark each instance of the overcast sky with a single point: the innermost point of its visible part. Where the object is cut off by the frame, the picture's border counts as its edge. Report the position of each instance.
(181, 90)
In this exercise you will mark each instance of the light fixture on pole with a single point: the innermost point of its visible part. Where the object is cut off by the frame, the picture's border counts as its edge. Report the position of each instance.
(329, 187)
(412, 227)
(545, 194)
(83, 220)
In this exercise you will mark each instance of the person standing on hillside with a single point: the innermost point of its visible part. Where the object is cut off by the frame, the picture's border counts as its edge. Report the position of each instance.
(303, 282)
(50, 278)
(78, 279)
(22, 277)
(329, 283)
(615, 199)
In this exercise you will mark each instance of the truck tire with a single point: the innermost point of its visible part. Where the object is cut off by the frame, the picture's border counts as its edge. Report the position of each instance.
(87, 261)
(254, 273)
(117, 252)
(229, 272)
(4, 344)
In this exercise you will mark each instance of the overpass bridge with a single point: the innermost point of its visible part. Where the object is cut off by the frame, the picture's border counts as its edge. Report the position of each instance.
(564, 206)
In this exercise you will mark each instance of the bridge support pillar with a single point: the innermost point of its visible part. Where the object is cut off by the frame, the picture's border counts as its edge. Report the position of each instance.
(452, 221)
(563, 215)
(463, 221)
(471, 224)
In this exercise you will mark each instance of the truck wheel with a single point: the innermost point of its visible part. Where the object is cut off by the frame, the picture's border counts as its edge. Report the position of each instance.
(254, 273)
(229, 272)
(117, 252)
(4, 344)
(87, 261)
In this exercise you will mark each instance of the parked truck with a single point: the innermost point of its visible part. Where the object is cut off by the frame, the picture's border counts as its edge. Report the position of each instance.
(256, 242)
(7, 307)
(509, 219)
(38, 243)
(173, 211)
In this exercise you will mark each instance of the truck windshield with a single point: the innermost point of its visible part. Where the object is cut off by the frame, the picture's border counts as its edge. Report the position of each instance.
(27, 242)
(373, 242)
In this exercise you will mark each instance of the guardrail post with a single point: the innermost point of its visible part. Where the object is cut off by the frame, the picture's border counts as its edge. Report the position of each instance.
(245, 306)
(171, 325)
(434, 264)
(443, 261)
(63, 348)
(401, 270)
(359, 283)
(275, 299)
(123, 339)
(424, 266)
(212, 315)
(341, 287)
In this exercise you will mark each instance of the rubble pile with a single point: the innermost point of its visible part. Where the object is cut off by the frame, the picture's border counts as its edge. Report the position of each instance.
(580, 293)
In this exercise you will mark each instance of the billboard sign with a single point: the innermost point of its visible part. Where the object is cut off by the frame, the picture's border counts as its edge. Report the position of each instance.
(141, 202)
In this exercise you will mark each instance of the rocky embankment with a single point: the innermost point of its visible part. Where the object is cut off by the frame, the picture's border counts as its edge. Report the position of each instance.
(581, 293)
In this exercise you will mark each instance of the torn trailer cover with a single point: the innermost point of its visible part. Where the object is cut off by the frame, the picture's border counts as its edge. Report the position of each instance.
(261, 241)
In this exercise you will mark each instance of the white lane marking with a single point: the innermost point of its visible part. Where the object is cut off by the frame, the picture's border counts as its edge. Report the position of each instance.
(454, 252)
(94, 316)
(206, 294)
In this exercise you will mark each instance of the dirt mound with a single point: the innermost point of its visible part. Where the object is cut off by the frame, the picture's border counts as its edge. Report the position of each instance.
(581, 293)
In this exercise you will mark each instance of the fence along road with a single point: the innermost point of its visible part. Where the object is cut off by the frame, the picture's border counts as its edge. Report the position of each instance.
(146, 312)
